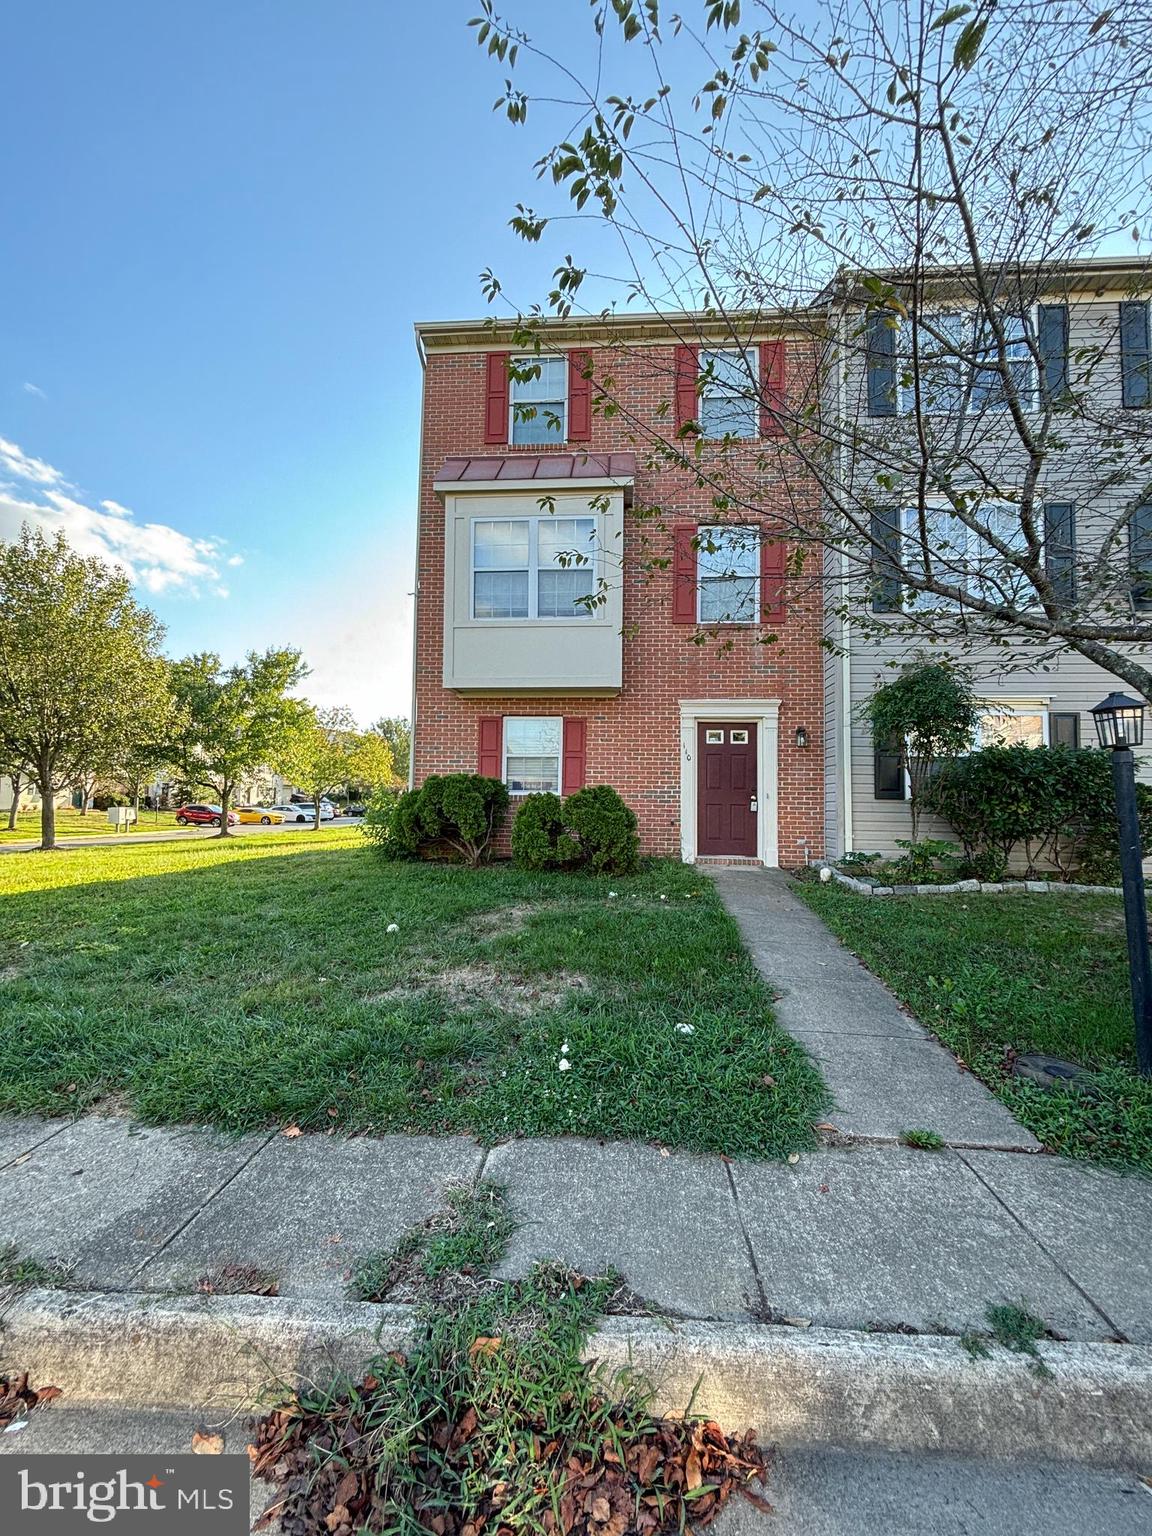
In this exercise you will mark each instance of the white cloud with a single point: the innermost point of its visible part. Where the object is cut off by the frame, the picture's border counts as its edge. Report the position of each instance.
(19, 464)
(157, 557)
(33, 389)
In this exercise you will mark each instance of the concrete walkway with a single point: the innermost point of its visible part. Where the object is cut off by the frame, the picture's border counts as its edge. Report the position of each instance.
(851, 1237)
(886, 1073)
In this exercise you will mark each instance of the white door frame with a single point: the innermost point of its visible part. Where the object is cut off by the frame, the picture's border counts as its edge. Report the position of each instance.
(765, 715)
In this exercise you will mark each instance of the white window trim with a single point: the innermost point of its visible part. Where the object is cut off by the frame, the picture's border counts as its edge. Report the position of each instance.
(764, 714)
(756, 619)
(519, 794)
(549, 442)
(1019, 706)
(753, 353)
(581, 615)
(906, 395)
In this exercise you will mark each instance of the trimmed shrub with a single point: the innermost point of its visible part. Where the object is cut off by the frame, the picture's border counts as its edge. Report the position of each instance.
(462, 809)
(539, 837)
(1054, 804)
(606, 829)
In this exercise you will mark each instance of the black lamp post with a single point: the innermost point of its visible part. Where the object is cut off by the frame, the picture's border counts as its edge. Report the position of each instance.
(1120, 726)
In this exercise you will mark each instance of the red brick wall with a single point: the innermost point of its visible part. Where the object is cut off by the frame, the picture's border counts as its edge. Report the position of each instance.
(633, 738)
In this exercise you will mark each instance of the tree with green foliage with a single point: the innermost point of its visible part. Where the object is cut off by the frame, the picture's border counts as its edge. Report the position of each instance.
(927, 715)
(81, 675)
(326, 753)
(234, 720)
(397, 732)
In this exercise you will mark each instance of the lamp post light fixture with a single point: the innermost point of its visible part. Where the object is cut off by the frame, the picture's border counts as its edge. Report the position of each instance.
(1119, 722)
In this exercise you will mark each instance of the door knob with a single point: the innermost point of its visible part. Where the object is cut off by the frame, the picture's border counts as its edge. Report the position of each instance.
(753, 805)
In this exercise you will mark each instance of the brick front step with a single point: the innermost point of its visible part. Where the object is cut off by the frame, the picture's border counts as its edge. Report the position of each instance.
(712, 861)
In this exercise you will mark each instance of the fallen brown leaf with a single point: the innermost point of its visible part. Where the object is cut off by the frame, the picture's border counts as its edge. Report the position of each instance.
(206, 1442)
(291, 1130)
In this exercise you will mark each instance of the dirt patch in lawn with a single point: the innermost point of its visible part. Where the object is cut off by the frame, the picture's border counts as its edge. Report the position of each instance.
(504, 921)
(464, 986)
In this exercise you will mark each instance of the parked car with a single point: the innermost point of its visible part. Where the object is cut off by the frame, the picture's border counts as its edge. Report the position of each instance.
(303, 810)
(203, 816)
(353, 810)
(259, 815)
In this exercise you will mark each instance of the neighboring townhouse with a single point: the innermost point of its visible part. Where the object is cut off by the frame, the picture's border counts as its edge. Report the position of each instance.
(1092, 317)
(531, 501)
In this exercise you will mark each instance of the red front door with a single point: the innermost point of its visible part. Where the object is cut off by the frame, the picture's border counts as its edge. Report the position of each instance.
(726, 790)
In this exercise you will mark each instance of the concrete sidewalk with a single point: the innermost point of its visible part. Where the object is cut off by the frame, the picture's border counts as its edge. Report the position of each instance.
(854, 1237)
(886, 1073)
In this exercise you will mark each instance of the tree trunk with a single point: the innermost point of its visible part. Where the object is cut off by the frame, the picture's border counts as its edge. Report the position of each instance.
(225, 801)
(14, 809)
(47, 820)
(316, 813)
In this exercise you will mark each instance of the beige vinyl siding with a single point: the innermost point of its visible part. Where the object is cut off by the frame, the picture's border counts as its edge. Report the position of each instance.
(1065, 680)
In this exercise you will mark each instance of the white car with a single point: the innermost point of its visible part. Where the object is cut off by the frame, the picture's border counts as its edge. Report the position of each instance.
(304, 813)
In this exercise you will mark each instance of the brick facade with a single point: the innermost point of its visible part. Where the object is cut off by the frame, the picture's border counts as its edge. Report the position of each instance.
(633, 739)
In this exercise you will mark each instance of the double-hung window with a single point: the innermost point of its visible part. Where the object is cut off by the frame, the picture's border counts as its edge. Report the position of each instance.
(533, 567)
(959, 366)
(729, 394)
(538, 400)
(1007, 723)
(728, 575)
(960, 556)
(532, 753)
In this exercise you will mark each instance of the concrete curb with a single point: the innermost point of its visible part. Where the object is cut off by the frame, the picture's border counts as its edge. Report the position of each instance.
(811, 1387)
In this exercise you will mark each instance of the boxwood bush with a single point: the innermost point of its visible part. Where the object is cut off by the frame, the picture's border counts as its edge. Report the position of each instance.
(1054, 805)
(540, 839)
(593, 829)
(459, 811)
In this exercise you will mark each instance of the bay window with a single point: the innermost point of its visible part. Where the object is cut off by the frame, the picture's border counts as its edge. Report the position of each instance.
(533, 567)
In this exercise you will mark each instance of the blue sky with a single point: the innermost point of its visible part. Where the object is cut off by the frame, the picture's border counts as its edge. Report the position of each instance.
(221, 222)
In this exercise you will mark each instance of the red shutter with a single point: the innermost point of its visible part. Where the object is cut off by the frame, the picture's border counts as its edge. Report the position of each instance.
(579, 398)
(575, 755)
(684, 574)
(496, 398)
(773, 386)
(490, 753)
(687, 372)
(773, 568)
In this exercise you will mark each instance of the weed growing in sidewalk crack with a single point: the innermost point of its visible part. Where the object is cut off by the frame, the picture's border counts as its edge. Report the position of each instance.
(1015, 1328)
(20, 1272)
(463, 1242)
(922, 1140)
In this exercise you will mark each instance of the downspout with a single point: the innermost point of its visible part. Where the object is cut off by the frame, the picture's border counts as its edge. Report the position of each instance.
(420, 353)
(845, 722)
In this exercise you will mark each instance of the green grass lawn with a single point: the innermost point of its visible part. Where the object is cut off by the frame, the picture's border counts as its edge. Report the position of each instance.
(994, 976)
(70, 823)
(254, 983)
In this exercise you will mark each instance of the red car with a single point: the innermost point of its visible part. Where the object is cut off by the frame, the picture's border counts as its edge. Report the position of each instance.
(203, 815)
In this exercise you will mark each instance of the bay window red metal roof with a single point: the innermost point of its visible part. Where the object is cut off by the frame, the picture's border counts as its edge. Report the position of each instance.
(521, 468)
